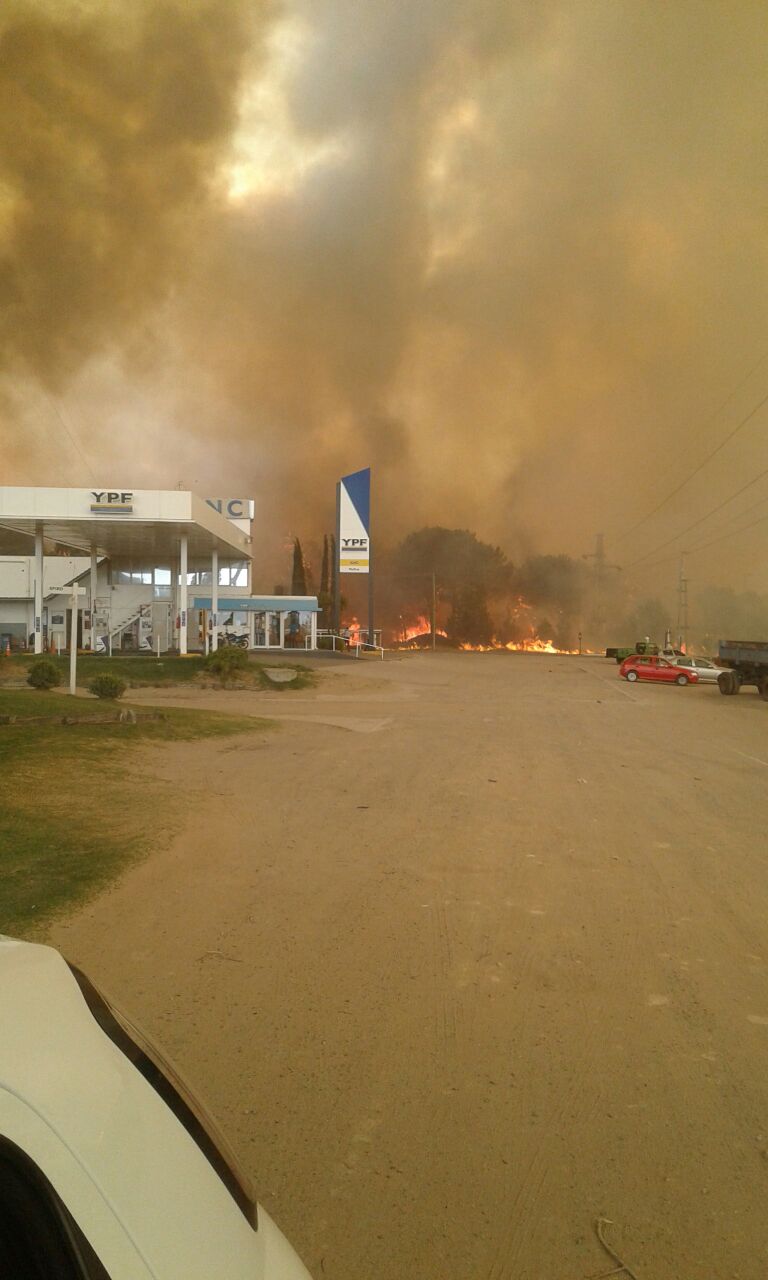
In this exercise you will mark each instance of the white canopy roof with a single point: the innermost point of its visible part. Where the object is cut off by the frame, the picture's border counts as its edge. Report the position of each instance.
(143, 525)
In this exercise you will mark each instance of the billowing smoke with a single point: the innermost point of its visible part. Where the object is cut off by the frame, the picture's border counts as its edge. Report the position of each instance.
(511, 255)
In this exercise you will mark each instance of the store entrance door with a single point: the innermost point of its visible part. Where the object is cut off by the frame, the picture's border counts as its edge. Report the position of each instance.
(260, 630)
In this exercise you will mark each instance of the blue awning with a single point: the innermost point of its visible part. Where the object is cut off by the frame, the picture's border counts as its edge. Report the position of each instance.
(258, 604)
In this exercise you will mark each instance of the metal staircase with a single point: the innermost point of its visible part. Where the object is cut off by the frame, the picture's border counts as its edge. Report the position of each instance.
(143, 611)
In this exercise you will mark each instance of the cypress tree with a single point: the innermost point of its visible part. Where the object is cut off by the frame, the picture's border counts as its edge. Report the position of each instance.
(324, 599)
(299, 576)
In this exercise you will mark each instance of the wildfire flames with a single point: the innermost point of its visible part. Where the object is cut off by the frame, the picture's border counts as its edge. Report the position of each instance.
(421, 627)
(410, 634)
(534, 645)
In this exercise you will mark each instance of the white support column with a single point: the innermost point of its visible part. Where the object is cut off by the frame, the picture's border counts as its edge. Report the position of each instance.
(281, 616)
(214, 600)
(313, 631)
(94, 589)
(39, 569)
(73, 642)
(183, 596)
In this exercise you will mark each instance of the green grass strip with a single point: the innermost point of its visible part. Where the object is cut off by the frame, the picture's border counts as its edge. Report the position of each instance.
(77, 802)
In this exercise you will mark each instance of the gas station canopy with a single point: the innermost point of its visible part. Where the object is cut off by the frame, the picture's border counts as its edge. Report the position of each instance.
(143, 525)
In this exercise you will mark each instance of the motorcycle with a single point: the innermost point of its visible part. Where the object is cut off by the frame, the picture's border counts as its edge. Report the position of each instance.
(234, 640)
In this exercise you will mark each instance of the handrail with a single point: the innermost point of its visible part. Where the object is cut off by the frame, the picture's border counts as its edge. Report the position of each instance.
(365, 644)
(326, 635)
(346, 643)
(128, 619)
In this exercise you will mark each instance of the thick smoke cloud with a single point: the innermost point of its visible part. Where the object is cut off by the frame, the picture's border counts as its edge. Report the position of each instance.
(510, 254)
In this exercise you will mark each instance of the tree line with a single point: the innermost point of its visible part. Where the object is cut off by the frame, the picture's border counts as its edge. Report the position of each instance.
(482, 595)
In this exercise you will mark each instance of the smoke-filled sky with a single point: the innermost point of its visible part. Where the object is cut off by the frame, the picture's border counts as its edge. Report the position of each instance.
(513, 255)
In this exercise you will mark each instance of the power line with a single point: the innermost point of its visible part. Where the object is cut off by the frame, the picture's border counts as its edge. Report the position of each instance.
(695, 524)
(702, 546)
(730, 534)
(714, 452)
(73, 441)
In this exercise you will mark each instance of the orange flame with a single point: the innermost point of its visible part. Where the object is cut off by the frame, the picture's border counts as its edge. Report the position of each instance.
(421, 627)
(533, 645)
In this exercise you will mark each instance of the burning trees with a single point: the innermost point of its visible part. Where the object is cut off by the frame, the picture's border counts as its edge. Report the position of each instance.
(470, 621)
(467, 573)
(484, 600)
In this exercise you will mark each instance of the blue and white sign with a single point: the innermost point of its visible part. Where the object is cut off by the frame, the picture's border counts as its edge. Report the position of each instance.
(355, 522)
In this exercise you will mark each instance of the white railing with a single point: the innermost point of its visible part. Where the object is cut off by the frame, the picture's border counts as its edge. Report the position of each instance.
(346, 642)
(142, 612)
(364, 644)
(326, 635)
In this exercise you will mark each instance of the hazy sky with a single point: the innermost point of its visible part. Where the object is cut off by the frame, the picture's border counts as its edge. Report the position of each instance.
(513, 255)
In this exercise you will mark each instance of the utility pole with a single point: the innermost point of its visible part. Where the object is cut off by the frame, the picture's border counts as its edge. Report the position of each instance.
(682, 606)
(600, 568)
(433, 623)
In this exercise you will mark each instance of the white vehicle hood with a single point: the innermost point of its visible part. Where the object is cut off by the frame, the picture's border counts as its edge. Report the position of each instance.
(110, 1146)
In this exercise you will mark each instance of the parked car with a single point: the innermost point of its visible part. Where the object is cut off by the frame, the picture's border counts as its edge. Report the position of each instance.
(705, 668)
(651, 667)
(109, 1167)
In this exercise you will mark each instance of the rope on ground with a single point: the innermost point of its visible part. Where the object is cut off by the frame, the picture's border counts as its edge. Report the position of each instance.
(622, 1268)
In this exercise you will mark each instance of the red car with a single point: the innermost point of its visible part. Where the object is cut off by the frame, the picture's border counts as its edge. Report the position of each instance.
(640, 666)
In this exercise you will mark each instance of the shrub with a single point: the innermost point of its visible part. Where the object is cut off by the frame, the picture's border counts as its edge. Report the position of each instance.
(44, 674)
(227, 663)
(107, 686)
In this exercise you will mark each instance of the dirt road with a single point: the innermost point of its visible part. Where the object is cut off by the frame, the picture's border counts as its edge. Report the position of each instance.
(468, 953)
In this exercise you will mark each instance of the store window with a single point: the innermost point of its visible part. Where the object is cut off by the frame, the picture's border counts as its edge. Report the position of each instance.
(233, 575)
(298, 625)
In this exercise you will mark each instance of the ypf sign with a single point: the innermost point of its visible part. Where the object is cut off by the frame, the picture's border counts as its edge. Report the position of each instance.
(111, 502)
(354, 522)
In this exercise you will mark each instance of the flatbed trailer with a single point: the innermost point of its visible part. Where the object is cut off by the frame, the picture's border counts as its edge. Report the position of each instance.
(747, 663)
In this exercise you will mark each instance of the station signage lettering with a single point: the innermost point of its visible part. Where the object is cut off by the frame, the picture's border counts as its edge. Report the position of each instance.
(113, 502)
(232, 508)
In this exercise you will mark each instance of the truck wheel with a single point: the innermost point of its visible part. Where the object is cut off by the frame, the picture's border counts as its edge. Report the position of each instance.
(762, 689)
(726, 683)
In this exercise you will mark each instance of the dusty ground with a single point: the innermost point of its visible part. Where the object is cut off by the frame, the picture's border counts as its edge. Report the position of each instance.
(469, 952)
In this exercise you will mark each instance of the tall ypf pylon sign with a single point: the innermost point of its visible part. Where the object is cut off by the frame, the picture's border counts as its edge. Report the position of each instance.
(353, 536)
